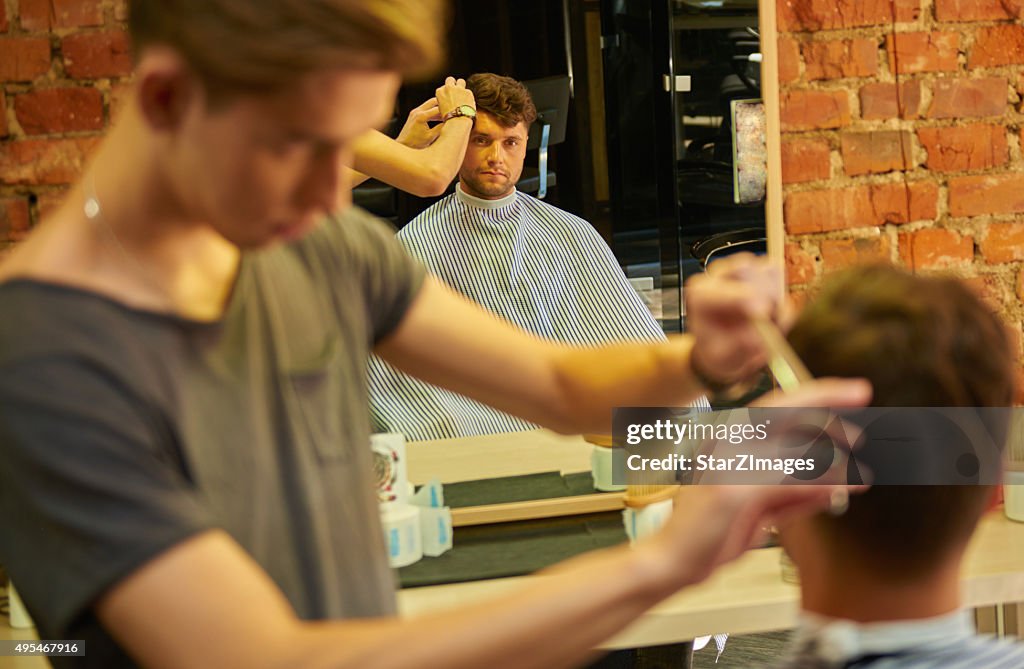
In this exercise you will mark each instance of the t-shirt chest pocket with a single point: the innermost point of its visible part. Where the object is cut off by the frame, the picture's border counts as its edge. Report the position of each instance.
(313, 362)
(313, 390)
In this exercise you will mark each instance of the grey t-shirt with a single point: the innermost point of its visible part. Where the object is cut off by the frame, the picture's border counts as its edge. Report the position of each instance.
(124, 432)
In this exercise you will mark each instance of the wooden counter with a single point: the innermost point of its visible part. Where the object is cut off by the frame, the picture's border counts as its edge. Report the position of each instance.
(743, 597)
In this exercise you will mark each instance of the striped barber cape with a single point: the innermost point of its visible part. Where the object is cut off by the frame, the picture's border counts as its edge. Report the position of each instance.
(541, 268)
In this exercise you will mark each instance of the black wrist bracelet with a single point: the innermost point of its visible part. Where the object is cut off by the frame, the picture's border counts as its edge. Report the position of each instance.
(712, 386)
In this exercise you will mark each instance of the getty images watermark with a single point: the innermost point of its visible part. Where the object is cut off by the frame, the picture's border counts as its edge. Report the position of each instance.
(881, 446)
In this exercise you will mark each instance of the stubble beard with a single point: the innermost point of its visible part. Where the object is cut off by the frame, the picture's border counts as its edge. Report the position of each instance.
(490, 188)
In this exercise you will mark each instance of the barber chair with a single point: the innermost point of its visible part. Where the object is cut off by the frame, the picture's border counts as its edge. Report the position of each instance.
(551, 97)
(709, 249)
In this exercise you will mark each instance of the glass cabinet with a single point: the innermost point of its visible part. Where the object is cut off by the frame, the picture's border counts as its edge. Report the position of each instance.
(673, 70)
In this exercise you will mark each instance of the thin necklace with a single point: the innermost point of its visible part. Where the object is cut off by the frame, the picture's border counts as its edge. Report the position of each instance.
(94, 212)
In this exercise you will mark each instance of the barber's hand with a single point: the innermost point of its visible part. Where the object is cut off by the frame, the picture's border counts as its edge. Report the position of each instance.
(720, 306)
(713, 525)
(417, 133)
(453, 94)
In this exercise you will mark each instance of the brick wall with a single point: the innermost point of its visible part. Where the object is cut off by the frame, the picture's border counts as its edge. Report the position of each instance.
(902, 139)
(63, 65)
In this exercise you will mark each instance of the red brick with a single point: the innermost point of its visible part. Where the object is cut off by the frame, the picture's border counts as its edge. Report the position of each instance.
(876, 152)
(935, 248)
(14, 219)
(813, 15)
(4, 24)
(923, 52)
(789, 60)
(3, 114)
(44, 161)
(969, 98)
(908, 11)
(814, 110)
(45, 15)
(977, 10)
(972, 147)
(989, 194)
(799, 265)
(805, 160)
(102, 54)
(827, 210)
(837, 59)
(842, 253)
(1003, 243)
(997, 45)
(59, 110)
(24, 58)
(905, 202)
(860, 206)
(880, 101)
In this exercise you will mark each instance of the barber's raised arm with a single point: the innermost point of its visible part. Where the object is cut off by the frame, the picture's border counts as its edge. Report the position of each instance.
(423, 160)
(446, 340)
(205, 603)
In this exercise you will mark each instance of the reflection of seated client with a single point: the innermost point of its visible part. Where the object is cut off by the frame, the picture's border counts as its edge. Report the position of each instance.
(880, 584)
(542, 268)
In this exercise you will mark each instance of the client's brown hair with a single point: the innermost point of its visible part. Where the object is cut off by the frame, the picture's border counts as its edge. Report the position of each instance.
(921, 342)
(503, 98)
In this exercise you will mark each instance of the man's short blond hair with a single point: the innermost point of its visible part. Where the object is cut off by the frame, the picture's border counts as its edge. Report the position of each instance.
(250, 46)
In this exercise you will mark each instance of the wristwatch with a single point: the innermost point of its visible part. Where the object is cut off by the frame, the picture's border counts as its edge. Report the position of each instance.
(461, 110)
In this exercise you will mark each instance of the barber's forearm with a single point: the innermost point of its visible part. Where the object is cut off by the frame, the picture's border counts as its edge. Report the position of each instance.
(355, 177)
(444, 157)
(423, 172)
(555, 621)
(594, 381)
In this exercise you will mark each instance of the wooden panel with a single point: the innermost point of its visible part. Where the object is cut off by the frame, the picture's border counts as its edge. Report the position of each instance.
(595, 77)
(537, 508)
(775, 230)
(496, 455)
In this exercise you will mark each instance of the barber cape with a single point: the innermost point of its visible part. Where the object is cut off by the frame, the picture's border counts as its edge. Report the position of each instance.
(539, 267)
(948, 641)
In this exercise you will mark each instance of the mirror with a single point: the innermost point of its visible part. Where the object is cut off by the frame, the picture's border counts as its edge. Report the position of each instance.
(670, 145)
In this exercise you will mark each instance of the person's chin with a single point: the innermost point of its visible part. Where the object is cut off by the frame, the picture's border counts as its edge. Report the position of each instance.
(494, 189)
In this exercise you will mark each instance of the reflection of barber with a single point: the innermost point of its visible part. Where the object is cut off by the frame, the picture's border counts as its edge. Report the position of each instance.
(186, 476)
(424, 158)
(541, 268)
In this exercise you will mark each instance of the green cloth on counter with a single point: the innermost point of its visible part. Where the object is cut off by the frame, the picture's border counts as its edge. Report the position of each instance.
(514, 549)
(517, 489)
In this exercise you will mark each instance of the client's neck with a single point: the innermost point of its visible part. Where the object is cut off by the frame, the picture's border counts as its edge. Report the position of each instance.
(859, 595)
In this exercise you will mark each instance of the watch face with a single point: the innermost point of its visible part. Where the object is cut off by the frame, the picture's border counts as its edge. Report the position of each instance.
(466, 110)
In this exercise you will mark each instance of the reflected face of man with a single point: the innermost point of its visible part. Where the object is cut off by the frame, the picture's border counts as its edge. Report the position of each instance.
(494, 158)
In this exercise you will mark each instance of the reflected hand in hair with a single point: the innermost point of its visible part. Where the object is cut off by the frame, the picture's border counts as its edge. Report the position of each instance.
(417, 132)
(453, 94)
